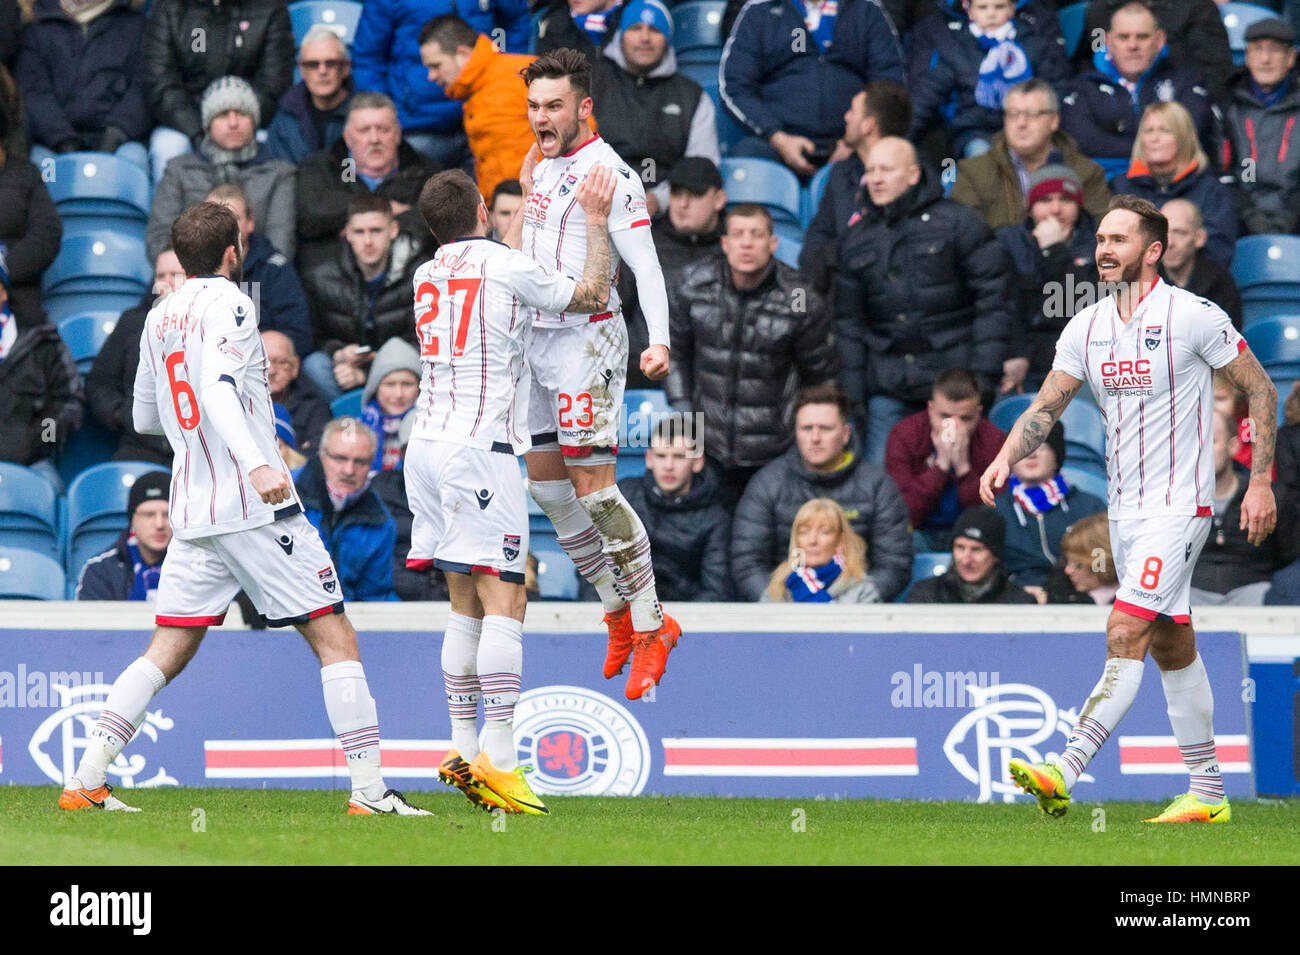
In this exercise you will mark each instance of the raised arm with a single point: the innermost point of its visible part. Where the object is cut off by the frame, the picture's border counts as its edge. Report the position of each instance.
(1258, 507)
(1030, 430)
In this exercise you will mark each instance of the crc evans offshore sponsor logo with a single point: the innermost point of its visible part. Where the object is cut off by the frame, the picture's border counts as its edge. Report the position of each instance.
(1126, 377)
(580, 742)
(58, 742)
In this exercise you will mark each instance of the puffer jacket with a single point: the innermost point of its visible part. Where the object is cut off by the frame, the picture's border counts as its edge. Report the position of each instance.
(361, 540)
(739, 357)
(338, 298)
(944, 67)
(760, 529)
(39, 386)
(31, 229)
(268, 183)
(1202, 188)
(251, 39)
(1269, 136)
(78, 81)
(922, 286)
(688, 535)
(386, 53)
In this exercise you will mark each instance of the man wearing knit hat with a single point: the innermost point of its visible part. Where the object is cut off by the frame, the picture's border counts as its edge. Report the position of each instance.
(229, 152)
(976, 574)
(1052, 250)
(130, 569)
(650, 114)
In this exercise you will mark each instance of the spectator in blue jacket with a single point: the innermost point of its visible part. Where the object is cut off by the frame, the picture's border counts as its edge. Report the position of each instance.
(386, 59)
(312, 113)
(985, 48)
(270, 278)
(1168, 163)
(131, 568)
(353, 523)
(789, 73)
(1103, 105)
(80, 79)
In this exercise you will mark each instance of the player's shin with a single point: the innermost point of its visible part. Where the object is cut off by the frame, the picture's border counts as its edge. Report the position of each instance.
(123, 712)
(500, 666)
(1190, 705)
(579, 537)
(1109, 700)
(352, 714)
(628, 546)
(460, 647)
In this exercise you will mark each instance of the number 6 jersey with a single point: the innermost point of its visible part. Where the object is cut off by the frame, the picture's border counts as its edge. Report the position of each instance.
(473, 310)
(202, 337)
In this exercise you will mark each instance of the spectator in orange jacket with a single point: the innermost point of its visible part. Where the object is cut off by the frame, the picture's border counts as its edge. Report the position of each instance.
(469, 68)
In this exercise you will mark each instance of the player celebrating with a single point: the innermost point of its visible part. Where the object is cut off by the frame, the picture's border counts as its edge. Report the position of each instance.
(236, 518)
(1149, 351)
(472, 310)
(579, 365)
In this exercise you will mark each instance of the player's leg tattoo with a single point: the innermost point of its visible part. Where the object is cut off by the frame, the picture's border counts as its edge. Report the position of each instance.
(1190, 704)
(628, 546)
(460, 647)
(1106, 705)
(123, 712)
(579, 537)
(352, 714)
(500, 667)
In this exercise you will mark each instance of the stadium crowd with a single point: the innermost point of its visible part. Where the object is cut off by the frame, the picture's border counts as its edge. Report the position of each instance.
(844, 362)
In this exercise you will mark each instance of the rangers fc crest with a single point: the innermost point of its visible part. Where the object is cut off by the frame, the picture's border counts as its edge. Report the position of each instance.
(510, 546)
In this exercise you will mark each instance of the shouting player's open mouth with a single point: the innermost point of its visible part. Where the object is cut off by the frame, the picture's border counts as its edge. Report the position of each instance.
(547, 139)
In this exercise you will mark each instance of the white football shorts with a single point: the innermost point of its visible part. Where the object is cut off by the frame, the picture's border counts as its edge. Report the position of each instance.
(577, 390)
(468, 508)
(1154, 559)
(282, 566)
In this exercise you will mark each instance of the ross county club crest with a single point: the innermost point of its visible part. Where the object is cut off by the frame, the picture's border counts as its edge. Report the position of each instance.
(580, 742)
(569, 181)
(327, 579)
(1153, 337)
(510, 546)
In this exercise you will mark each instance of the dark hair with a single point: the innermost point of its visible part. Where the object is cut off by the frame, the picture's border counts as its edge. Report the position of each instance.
(828, 393)
(560, 63)
(370, 202)
(890, 105)
(449, 203)
(506, 187)
(956, 384)
(748, 209)
(677, 427)
(450, 32)
(201, 236)
(1153, 227)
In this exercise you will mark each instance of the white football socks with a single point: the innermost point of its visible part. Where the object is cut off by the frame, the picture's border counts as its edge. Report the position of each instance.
(123, 712)
(1190, 704)
(628, 546)
(460, 677)
(1106, 705)
(500, 666)
(578, 536)
(352, 714)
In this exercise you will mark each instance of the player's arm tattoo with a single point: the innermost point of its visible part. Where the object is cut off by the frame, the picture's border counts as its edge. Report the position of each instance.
(1032, 428)
(1245, 374)
(592, 291)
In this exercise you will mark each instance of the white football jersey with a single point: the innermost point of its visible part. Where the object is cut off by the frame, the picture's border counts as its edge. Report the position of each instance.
(205, 336)
(1153, 378)
(555, 227)
(474, 303)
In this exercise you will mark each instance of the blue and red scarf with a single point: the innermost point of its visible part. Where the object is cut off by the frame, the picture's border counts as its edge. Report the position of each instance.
(819, 17)
(812, 584)
(595, 24)
(144, 586)
(1041, 499)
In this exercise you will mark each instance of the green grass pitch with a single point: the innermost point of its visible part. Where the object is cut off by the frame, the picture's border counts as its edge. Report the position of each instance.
(309, 827)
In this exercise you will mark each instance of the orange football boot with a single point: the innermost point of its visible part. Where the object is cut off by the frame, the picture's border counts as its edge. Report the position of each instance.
(619, 624)
(650, 656)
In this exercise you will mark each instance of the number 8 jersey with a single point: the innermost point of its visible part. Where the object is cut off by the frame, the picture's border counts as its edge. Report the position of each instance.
(473, 310)
(202, 337)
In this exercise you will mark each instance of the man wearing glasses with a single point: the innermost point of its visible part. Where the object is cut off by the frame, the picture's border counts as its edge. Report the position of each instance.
(312, 113)
(996, 184)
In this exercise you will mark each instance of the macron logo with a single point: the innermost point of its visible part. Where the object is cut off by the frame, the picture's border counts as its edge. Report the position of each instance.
(75, 907)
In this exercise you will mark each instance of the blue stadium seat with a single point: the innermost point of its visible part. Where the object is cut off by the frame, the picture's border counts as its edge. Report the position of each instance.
(697, 31)
(1072, 19)
(630, 465)
(926, 564)
(99, 262)
(1085, 431)
(98, 186)
(1264, 268)
(1086, 479)
(704, 72)
(347, 404)
(1112, 166)
(341, 16)
(1237, 18)
(812, 197)
(764, 182)
(642, 409)
(1276, 343)
(29, 575)
(1006, 410)
(557, 578)
(85, 334)
(787, 250)
(29, 511)
(730, 132)
(96, 506)
(89, 445)
(61, 306)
